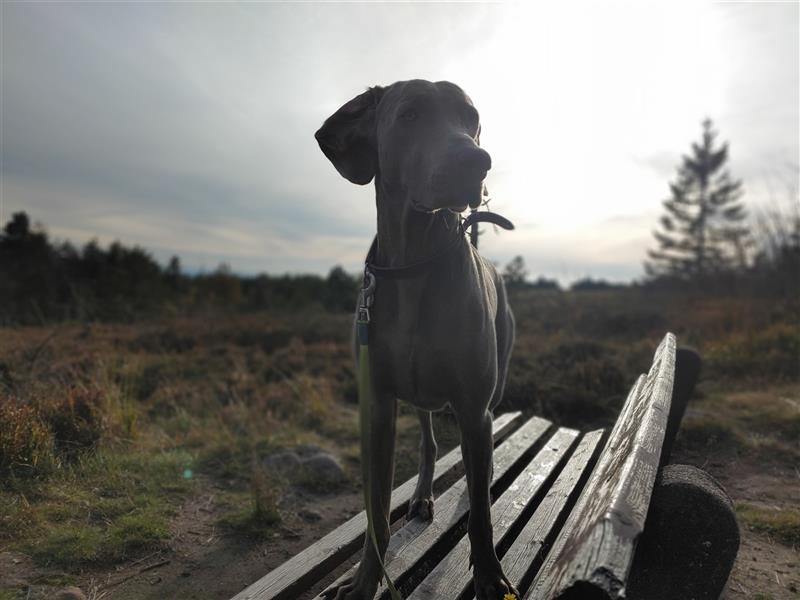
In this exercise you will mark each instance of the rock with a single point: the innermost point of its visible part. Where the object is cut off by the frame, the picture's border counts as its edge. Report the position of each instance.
(310, 515)
(690, 539)
(306, 450)
(69, 593)
(323, 469)
(307, 464)
(284, 463)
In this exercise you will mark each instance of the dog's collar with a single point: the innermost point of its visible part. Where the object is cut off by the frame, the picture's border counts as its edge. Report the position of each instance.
(417, 267)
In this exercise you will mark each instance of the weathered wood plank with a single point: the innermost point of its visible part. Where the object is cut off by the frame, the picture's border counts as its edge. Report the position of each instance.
(524, 555)
(306, 568)
(452, 577)
(596, 546)
(409, 545)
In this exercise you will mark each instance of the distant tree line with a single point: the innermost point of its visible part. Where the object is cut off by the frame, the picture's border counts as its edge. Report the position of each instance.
(515, 276)
(42, 281)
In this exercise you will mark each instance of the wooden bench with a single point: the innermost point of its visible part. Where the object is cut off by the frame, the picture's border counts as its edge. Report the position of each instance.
(567, 510)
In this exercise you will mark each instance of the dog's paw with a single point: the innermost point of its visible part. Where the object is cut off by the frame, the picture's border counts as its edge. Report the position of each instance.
(420, 507)
(347, 590)
(494, 586)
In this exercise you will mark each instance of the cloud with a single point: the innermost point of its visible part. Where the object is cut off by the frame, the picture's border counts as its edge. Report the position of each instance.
(188, 127)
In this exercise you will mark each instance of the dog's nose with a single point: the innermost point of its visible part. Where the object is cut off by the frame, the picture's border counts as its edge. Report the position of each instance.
(475, 160)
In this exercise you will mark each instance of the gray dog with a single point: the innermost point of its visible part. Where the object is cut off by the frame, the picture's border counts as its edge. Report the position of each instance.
(441, 330)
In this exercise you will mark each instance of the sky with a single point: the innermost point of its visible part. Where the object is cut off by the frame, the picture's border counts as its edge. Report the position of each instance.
(187, 128)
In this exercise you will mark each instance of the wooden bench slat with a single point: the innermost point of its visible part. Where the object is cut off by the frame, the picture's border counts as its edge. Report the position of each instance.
(408, 546)
(452, 576)
(290, 579)
(524, 555)
(595, 548)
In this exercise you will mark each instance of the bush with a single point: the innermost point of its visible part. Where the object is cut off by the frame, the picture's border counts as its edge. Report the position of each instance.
(575, 383)
(771, 352)
(26, 445)
(76, 421)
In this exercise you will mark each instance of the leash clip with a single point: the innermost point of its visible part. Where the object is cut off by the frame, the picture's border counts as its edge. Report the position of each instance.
(367, 296)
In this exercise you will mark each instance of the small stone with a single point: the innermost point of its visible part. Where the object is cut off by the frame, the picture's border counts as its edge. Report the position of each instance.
(69, 593)
(310, 515)
(306, 450)
(324, 469)
(155, 580)
(282, 462)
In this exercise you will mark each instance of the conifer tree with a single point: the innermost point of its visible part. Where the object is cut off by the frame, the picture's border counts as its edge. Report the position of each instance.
(703, 229)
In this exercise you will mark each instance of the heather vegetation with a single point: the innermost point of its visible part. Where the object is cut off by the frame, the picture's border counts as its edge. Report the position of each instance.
(108, 430)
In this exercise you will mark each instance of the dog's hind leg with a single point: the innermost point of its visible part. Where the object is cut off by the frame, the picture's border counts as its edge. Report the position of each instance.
(505, 342)
(421, 504)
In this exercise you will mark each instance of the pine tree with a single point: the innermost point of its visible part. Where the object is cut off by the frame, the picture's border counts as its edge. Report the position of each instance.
(703, 230)
(515, 272)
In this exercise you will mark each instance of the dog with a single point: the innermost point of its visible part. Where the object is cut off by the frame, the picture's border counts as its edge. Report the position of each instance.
(440, 330)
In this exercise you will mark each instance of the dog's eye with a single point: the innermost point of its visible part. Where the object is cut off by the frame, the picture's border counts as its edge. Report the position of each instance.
(409, 115)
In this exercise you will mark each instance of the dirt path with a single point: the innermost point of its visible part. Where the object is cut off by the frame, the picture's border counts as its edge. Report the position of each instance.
(764, 568)
(207, 563)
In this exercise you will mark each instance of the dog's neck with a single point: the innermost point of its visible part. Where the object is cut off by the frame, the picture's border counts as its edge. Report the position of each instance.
(407, 235)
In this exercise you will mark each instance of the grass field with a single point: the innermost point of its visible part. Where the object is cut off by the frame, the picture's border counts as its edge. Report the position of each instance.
(131, 454)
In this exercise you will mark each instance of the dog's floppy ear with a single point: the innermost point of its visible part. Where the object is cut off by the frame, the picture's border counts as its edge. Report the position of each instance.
(348, 137)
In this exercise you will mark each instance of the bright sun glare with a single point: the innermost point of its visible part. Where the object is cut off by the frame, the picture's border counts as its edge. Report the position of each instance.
(595, 101)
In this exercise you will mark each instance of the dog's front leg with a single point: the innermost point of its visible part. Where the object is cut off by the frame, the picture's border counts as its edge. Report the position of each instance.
(378, 473)
(476, 447)
(421, 504)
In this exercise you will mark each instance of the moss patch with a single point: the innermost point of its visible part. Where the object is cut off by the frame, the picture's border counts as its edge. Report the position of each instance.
(107, 507)
(783, 525)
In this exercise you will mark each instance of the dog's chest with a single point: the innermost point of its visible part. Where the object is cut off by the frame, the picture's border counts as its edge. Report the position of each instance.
(427, 349)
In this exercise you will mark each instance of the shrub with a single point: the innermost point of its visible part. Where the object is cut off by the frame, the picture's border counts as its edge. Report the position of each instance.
(76, 421)
(259, 520)
(26, 445)
(770, 352)
(575, 383)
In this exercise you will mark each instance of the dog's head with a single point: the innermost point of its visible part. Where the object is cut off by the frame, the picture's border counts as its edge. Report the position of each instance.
(419, 137)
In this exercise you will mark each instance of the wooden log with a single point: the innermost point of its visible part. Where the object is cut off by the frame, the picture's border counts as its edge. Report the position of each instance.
(416, 539)
(592, 555)
(690, 540)
(451, 578)
(300, 572)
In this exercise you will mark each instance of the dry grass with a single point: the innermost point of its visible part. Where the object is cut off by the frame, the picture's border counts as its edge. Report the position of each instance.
(782, 524)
